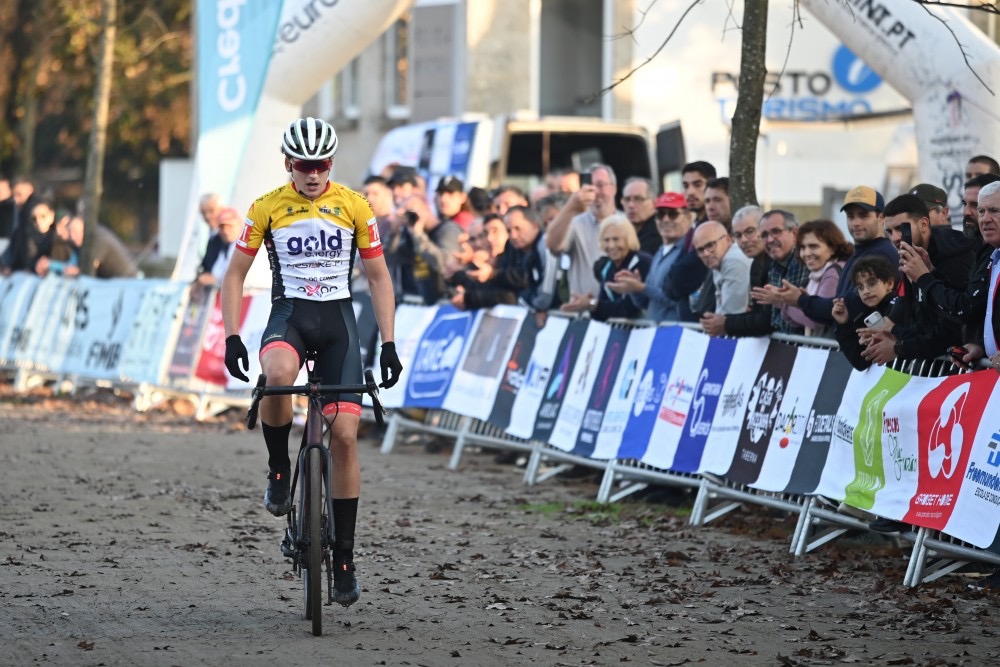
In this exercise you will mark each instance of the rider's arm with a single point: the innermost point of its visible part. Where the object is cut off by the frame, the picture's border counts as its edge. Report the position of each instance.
(232, 291)
(383, 297)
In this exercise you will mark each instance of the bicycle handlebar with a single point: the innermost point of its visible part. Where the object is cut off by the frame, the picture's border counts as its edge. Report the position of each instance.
(262, 390)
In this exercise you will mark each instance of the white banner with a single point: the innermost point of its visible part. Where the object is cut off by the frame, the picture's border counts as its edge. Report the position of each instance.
(104, 313)
(474, 386)
(676, 399)
(155, 329)
(539, 369)
(16, 293)
(581, 383)
(623, 394)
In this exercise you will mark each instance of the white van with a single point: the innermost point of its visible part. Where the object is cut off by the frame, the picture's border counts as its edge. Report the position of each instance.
(520, 150)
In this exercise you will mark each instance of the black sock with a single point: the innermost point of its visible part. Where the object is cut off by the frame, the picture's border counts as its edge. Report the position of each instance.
(276, 439)
(345, 515)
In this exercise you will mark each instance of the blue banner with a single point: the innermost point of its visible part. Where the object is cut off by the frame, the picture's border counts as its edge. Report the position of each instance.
(235, 41)
(706, 399)
(652, 385)
(437, 357)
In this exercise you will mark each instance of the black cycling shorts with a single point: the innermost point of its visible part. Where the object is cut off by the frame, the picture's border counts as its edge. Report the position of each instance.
(329, 328)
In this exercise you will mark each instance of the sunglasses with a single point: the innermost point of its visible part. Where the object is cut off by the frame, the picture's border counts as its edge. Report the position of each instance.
(309, 166)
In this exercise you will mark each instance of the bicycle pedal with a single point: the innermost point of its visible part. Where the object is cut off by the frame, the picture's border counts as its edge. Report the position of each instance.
(287, 550)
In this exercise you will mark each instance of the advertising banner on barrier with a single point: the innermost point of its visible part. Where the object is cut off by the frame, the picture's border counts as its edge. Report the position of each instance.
(474, 385)
(649, 394)
(582, 376)
(411, 321)
(676, 400)
(948, 421)
(188, 346)
(704, 403)
(16, 293)
(766, 395)
(515, 373)
(600, 396)
(105, 312)
(156, 325)
(559, 379)
(720, 445)
(49, 325)
(975, 517)
(622, 397)
(785, 442)
(536, 377)
(212, 355)
(819, 424)
(437, 357)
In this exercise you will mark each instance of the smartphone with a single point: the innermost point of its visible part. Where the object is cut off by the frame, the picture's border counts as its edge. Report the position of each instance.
(874, 321)
(956, 352)
(585, 178)
(906, 231)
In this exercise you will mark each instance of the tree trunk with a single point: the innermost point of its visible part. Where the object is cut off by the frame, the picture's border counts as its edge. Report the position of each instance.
(746, 119)
(94, 178)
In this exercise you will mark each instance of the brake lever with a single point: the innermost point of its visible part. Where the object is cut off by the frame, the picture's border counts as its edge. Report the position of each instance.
(257, 394)
(376, 403)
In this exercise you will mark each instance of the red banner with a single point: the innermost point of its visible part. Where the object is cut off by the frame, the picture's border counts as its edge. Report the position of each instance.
(212, 362)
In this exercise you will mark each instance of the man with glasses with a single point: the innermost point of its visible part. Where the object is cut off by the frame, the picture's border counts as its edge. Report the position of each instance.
(729, 266)
(778, 231)
(311, 227)
(574, 231)
(637, 200)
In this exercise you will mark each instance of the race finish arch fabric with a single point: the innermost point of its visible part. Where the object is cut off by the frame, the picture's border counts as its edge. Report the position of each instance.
(258, 61)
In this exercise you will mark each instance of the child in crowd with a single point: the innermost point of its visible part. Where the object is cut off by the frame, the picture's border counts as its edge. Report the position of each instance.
(874, 277)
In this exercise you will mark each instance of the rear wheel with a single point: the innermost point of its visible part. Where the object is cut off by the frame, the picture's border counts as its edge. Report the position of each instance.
(312, 572)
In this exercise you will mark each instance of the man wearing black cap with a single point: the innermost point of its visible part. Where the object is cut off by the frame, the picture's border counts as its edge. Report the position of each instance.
(403, 183)
(452, 202)
(936, 201)
(863, 206)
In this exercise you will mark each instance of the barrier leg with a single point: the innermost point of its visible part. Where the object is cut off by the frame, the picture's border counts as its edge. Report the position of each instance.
(915, 567)
(456, 453)
(800, 525)
(607, 481)
(391, 430)
(700, 502)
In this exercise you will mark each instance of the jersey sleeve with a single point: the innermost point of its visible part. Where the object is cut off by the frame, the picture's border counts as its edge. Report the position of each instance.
(366, 229)
(254, 227)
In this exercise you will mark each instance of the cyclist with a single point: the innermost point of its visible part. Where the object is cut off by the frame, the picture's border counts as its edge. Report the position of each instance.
(311, 228)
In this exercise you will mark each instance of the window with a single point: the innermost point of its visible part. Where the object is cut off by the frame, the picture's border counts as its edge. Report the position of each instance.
(346, 91)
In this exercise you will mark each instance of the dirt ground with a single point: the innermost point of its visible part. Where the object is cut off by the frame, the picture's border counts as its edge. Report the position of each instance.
(130, 539)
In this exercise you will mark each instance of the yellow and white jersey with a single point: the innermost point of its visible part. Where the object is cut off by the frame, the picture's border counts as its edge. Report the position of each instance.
(311, 244)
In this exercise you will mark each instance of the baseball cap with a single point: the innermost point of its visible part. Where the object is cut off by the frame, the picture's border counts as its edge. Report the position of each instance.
(402, 176)
(865, 197)
(931, 195)
(450, 184)
(670, 200)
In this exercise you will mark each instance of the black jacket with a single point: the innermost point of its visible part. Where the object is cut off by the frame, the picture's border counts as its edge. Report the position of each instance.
(685, 277)
(818, 308)
(847, 334)
(611, 304)
(921, 332)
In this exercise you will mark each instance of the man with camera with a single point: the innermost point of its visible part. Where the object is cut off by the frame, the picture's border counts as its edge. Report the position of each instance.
(918, 332)
(429, 242)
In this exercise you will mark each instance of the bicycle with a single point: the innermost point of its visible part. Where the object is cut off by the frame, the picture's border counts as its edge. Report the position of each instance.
(308, 539)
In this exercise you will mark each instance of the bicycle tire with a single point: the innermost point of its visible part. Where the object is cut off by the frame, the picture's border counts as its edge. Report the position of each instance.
(313, 572)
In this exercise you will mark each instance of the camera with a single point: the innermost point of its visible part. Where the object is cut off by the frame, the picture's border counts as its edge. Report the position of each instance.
(411, 217)
(586, 179)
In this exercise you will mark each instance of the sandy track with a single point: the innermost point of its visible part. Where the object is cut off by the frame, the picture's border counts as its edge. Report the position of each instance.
(141, 540)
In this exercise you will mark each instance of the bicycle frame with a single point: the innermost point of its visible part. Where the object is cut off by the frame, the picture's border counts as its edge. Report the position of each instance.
(296, 544)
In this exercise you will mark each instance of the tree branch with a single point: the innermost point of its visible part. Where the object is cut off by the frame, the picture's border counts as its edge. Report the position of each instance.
(608, 89)
(961, 47)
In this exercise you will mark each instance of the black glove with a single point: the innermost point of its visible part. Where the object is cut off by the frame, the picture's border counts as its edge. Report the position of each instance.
(389, 363)
(236, 352)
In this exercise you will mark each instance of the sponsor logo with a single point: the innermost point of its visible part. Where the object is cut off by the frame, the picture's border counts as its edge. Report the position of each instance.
(944, 446)
(871, 436)
(762, 409)
(697, 425)
(312, 246)
(820, 426)
(852, 74)
(628, 379)
(901, 463)
(245, 234)
(561, 378)
(325, 209)
(844, 429)
(674, 402)
(993, 458)
(317, 290)
(314, 265)
(732, 401)
(789, 424)
(649, 394)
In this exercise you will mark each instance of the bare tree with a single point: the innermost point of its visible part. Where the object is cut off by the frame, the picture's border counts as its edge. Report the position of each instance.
(746, 118)
(94, 179)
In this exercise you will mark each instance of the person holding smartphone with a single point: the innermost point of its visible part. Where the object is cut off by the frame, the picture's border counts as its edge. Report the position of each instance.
(919, 332)
(874, 278)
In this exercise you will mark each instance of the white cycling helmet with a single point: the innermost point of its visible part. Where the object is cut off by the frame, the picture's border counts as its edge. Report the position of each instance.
(309, 139)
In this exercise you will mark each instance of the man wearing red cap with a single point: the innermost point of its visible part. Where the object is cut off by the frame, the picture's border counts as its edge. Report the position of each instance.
(674, 223)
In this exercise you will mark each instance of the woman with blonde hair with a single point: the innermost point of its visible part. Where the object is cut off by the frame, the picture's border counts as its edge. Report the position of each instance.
(620, 244)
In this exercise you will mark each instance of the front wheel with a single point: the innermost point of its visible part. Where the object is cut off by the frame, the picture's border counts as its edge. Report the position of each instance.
(312, 573)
